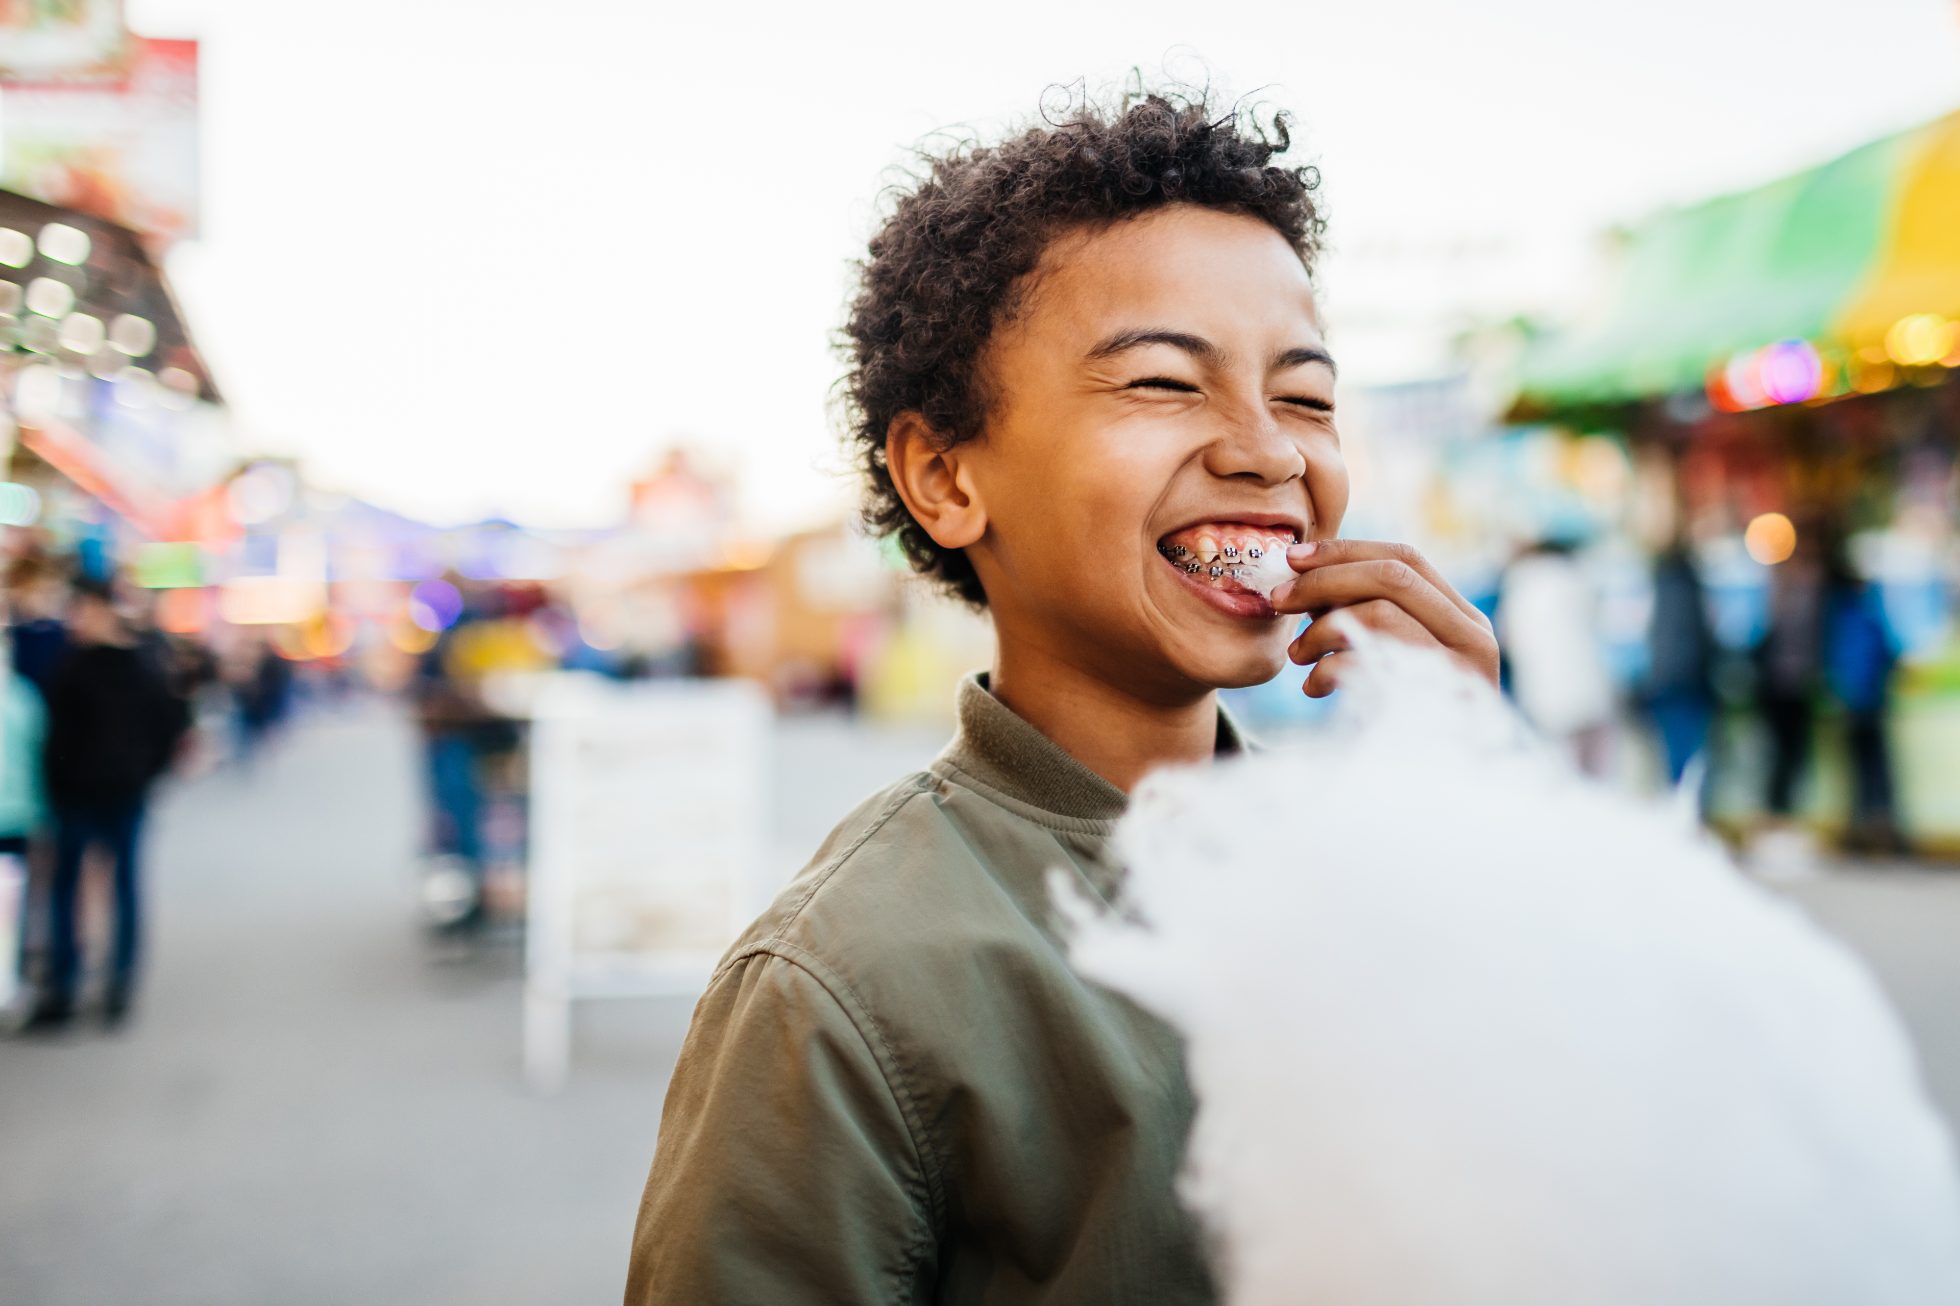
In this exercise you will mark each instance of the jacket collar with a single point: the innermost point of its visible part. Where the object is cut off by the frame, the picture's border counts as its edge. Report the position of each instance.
(1003, 751)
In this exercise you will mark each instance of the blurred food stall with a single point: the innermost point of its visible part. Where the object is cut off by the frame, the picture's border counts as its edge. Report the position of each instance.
(116, 431)
(1782, 368)
(820, 615)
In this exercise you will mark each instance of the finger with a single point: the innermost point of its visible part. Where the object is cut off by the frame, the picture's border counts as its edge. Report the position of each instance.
(1315, 554)
(1327, 635)
(1351, 583)
(1325, 677)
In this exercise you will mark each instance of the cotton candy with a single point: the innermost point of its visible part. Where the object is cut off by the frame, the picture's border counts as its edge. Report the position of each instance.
(1265, 573)
(1466, 1029)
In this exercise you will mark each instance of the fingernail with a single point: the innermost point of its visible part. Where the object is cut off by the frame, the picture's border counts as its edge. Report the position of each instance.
(1302, 550)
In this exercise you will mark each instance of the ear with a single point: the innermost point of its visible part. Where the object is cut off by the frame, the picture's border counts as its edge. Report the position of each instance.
(935, 482)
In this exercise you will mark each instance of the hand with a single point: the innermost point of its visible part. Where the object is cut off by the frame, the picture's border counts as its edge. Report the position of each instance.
(1389, 588)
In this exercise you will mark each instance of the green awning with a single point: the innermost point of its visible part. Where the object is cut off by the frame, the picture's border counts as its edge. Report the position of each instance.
(1801, 258)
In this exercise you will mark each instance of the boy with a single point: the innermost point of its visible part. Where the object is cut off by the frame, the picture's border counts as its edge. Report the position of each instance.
(1087, 378)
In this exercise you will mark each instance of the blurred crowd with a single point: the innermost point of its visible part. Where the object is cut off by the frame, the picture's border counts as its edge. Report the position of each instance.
(1817, 669)
(95, 707)
(98, 703)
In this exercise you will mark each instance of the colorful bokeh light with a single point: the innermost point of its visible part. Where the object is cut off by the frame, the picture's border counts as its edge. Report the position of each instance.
(434, 605)
(1770, 538)
(19, 504)
(183, 612)
(260, 493)
(327, 635)
(1791, 372)
(1920, 340)
(1742, 379)
(411, 638)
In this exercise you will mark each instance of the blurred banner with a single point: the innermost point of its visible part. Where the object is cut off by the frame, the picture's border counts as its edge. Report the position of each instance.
(63, 41)
(126, 151)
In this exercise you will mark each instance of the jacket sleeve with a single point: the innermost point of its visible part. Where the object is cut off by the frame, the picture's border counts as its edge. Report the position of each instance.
(786, 1171)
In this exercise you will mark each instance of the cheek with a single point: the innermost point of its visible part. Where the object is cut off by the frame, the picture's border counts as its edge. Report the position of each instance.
(1327, 488)
(1050, 516)
(1091, 484)
(1124, 480)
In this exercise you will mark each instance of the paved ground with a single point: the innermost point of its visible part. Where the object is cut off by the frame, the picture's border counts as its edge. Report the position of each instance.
(313, 1109)
(1906, 922)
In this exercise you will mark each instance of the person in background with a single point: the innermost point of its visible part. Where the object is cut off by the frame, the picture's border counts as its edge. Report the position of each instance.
(1860, 653)
(23, 802)
(1681, 651)
(261, 684)
(460, 733)
(1548, 626)
(1788, 663)
(23, 730)
(113, 727)
(36, 589)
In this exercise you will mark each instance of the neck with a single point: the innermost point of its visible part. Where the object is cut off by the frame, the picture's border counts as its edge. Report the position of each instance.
(1118, 735)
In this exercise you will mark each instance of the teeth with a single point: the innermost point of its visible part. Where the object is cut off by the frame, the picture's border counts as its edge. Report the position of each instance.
(1223, 557)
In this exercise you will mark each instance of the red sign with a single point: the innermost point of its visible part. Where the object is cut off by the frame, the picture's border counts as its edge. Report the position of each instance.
(127, 152)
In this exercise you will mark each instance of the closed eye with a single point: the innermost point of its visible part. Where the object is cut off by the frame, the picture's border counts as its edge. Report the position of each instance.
(1185, 387)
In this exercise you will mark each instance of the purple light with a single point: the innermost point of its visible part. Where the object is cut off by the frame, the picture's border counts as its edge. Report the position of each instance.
(435, 605)
(1791, 372)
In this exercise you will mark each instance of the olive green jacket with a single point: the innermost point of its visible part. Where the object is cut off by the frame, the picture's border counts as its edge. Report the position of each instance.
(896, 1091)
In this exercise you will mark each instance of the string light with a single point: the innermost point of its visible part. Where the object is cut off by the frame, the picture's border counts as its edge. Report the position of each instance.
(65, 244)
(49, 298)
(16, 248)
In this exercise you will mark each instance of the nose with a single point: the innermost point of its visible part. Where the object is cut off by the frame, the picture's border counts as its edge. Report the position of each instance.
(1250, 445)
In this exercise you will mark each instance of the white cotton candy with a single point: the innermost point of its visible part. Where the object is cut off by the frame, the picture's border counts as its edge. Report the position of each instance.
(1267, 572)
(1468, 1030)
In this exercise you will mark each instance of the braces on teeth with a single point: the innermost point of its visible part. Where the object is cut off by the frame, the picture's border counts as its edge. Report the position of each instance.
(1262, 571)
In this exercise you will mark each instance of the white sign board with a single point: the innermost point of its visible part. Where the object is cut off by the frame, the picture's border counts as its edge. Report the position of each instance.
(648, 818)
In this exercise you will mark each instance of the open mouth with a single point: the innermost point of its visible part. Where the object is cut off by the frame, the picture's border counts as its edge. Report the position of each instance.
(1219, 559)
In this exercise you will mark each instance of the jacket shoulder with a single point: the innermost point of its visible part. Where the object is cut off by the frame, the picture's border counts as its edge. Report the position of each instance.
(859, 847)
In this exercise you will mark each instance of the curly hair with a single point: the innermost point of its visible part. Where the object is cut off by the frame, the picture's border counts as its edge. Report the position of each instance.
(949, 265)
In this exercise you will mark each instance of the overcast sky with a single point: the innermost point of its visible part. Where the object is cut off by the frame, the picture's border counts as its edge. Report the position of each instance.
(485, 256)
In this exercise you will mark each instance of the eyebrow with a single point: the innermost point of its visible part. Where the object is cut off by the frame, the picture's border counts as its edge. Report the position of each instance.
(1202, 349)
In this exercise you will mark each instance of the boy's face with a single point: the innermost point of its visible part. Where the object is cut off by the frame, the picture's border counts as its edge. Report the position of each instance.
(1165, 385)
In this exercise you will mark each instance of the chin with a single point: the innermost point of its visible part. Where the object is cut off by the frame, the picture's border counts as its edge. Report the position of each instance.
(1237, 668)
(1247, 677)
